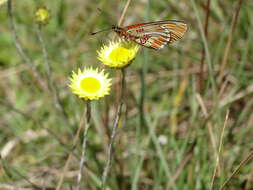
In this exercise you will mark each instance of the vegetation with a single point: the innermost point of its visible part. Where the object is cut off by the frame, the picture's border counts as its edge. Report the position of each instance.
(186, 121)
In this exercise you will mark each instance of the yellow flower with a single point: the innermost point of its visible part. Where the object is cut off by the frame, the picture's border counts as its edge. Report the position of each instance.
(118, 54)
(42, 16)
(2, 2)
(90, 84)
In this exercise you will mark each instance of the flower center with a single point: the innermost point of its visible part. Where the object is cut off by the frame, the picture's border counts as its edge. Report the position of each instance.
(90, 84)
(42, 14)
(119, 54)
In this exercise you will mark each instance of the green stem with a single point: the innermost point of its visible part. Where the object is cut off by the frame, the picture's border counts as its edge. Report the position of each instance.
(28, 62)
(114, 131)
(84, 145)
(51, 84)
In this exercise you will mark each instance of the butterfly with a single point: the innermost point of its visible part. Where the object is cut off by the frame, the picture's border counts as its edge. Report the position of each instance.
(154, 35)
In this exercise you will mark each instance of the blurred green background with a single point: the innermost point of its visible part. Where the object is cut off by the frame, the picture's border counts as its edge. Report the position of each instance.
(177, 101)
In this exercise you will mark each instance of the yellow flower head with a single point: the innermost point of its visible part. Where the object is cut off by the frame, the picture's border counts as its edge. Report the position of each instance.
(118, 54)
(90, 84)
(42, 16)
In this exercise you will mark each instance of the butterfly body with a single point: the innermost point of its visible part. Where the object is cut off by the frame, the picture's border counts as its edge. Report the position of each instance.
(153, 35)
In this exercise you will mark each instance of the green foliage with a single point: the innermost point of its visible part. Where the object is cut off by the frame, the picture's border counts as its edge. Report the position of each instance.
(175, 108)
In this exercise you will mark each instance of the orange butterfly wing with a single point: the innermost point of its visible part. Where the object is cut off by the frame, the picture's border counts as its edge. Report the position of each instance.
(155, 35)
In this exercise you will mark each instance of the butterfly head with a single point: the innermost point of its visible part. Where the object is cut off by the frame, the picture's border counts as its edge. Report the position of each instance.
(117, 29)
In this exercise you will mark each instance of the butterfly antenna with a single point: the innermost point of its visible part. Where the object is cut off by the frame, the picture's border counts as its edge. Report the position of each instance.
(93, 33)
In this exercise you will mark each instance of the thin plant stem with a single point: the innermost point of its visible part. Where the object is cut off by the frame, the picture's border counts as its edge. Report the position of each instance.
(84, 145)
(143, 80)
(20, 50)
(71, 153)
(122, 16)
(51, 84)
(151, 127)
(45, 54)
(219, 151)
(207, 52)
(244, 162)
(230, 38)
(203, 55)
(142, 96)
(114, 131)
